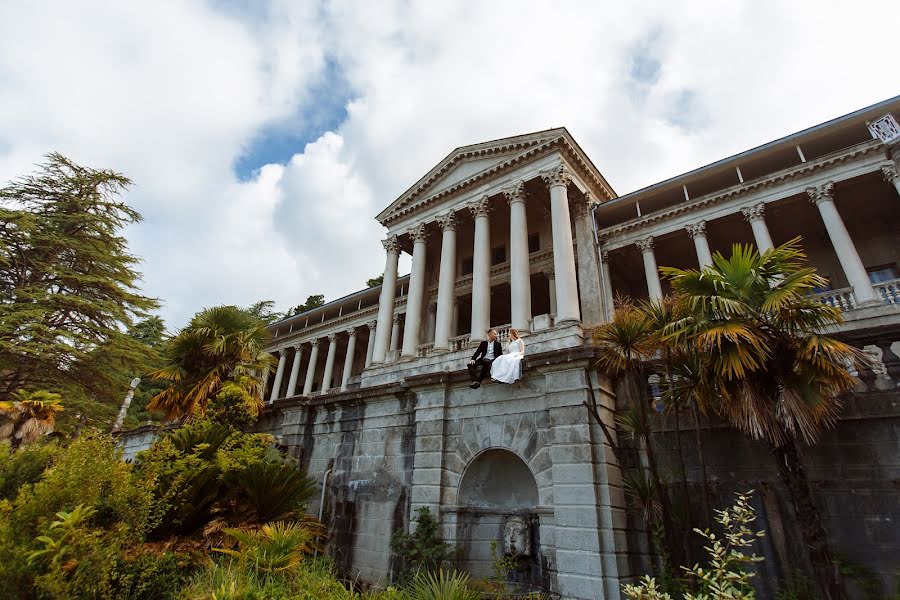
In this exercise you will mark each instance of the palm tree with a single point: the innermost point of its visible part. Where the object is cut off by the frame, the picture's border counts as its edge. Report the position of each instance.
(777, 374)
(221, 344)
(624, 343)
(28, 416)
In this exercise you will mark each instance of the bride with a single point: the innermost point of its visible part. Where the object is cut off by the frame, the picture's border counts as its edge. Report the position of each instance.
(508, 367)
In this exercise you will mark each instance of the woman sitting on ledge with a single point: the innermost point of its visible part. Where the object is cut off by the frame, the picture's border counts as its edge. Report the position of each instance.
(508, 368)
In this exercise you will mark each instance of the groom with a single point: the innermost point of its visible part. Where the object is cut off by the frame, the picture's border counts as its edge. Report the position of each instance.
(480, 365)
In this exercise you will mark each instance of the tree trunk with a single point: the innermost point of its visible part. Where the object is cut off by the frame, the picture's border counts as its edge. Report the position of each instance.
(665, 506)
(794, 477)
(707, 512)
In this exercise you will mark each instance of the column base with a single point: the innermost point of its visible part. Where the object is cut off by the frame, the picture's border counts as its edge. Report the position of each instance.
(440, 348)
(567, 322)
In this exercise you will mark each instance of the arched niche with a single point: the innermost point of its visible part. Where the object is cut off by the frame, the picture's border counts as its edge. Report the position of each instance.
(498, 478)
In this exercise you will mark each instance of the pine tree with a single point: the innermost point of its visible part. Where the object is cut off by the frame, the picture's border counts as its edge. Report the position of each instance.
(68, 286)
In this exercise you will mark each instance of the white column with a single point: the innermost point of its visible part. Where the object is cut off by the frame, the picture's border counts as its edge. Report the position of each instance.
(823, 198)
(431, 322)
(891, 175)
(295, 371)
(386, 300)
(481, 268)
(395, 333)
(279, 375)
(454, 329)
(348, 360)
(651, 272)
(551, 282)
(756, 216)
(443, 329)
(370, 346)
(697, 231)
(329, 362)
(608, 297)
(415, 299)
(567, 308)
(311, 368)
(519, 271)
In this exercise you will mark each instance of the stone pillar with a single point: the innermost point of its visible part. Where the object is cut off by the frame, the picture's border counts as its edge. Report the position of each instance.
(329, 362)
(755, 215)
(892, 176)
(551, 282)
(395, 333)
(295, 371)
(416, 297)
(590, 293)
(454, 329)
(519, 271)
(443, 329)
(697, 231)
(608, 296)
(311, 368)
(651, 271)
(370, 346)
(563, 249)
(386, 300)
(348, 360)
(279, 374)
(481, 268)
(823, 198)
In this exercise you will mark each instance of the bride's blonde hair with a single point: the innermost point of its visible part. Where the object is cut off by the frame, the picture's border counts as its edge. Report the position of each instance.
(513, 334)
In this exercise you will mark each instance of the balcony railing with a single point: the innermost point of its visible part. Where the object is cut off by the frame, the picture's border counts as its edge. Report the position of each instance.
(843, 298)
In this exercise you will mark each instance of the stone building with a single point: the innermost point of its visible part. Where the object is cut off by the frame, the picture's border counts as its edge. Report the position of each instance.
(371, 392)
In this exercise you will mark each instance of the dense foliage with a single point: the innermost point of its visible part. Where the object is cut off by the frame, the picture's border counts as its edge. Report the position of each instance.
(69, 288)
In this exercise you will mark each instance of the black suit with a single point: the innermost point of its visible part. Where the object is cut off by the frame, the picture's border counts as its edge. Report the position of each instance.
(482, 366)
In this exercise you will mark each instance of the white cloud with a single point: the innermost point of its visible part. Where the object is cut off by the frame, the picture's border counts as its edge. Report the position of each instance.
(173, 93)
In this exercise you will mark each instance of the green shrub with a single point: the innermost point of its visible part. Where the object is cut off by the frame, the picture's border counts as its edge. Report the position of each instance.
(151, 576)
(270, 490)
(441, 586)
(424, 549)
(273, 547)
(24, 466)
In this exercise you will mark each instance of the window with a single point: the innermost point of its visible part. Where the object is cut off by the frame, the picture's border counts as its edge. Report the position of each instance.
(498, 255)
(467, 265)
(534, 243)
(883, 273)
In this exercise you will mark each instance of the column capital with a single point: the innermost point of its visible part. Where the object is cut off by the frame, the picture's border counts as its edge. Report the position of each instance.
(604, 256)
(580, 207)
(314, 343)
(480, 207)
(332, 337)
(391, 244)
(754, 213)
(822, 193)
(432, 306)
(515, 192)
(372, 325)
(696, 229)
(558, 175)
(396, 317)
(646, 244)
(548, 272)
(297, 346)
(351, 331)
(448, 221)
(418, 233)
(890, 174)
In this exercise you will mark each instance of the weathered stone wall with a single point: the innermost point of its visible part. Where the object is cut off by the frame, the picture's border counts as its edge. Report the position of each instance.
(854, 470)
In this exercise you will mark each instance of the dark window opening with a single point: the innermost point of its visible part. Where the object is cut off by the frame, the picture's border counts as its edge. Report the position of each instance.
(467, 265)
(883, 273)
(534, 243)
(498, 255)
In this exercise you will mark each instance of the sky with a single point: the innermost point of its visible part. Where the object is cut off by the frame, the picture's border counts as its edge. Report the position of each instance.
(264, 137)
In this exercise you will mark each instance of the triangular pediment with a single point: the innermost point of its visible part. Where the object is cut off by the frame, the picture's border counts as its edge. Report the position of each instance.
(468, 163)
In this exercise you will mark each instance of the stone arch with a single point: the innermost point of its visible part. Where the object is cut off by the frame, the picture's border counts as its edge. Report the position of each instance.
(498, 478)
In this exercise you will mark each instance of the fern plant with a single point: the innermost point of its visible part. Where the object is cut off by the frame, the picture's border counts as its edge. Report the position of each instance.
(443, 585)
(273, 547)
(59, 536)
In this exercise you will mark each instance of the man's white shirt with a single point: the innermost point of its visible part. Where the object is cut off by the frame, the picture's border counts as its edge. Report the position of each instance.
(489, 355)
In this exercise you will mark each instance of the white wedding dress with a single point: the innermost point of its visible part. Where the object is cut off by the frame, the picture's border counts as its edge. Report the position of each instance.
(508, 367)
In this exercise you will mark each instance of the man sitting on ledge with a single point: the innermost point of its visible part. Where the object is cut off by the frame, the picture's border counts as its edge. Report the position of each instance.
(480, 365)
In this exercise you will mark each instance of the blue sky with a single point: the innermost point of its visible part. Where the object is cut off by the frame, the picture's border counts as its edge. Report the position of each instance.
(263, 138)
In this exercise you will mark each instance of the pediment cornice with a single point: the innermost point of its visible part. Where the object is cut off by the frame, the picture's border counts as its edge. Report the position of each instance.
(521, 150)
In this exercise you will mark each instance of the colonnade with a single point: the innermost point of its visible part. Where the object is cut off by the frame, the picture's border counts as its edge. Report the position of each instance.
(565, 288)
(333, 341)
(821, 196)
